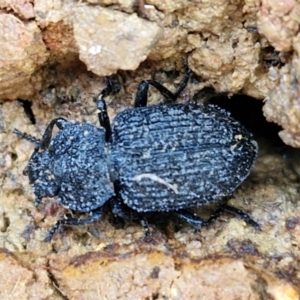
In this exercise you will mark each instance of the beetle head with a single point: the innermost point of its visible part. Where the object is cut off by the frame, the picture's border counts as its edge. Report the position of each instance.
(40, 173)
(40, 169)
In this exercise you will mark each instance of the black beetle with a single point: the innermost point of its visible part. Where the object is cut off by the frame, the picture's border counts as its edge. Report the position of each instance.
(160, 158)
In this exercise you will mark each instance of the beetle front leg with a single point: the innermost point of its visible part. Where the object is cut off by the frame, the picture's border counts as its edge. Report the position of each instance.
(94, 216)
(45, 142)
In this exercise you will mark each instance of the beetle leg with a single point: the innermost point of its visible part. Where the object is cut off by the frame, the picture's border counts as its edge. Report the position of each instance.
(104, 118)
(225, 207)
(60, 123)
(191, 218)
(112, 87)
(142, 92)
(197, 222)
(94, 216)
(121, 210)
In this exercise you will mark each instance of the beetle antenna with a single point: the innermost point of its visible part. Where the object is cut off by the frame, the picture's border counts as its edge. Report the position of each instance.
(27, 137)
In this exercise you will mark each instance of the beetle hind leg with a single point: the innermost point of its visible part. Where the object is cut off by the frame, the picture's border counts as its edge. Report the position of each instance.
(225, 207)
(198, 223)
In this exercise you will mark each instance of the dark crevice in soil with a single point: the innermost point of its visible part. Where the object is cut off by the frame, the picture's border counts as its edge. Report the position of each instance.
(56, 285)
(248, 111)
(27, 109)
